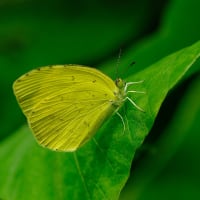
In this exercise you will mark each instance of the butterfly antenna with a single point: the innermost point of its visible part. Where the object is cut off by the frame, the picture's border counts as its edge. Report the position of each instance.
(118, 61)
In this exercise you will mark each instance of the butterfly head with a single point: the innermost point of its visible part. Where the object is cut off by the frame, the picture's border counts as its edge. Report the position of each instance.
(120, 83)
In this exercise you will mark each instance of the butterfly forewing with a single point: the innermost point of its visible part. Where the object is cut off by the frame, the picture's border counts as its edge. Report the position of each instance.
(65, 105)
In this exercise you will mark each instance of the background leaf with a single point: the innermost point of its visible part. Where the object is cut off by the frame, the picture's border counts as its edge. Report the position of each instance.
(170, 167)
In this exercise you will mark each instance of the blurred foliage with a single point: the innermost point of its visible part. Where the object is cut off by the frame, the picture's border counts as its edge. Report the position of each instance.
(37, 33)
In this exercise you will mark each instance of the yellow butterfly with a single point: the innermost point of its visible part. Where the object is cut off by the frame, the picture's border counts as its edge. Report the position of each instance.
(66, 104)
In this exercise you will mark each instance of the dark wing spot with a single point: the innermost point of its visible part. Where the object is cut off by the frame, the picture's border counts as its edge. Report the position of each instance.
(61, 119)
(105, 94)
(38, 69)
(61, 98)
(71, 130)
(73, 78)
(86, 123)
(52, 117)
(94, 81)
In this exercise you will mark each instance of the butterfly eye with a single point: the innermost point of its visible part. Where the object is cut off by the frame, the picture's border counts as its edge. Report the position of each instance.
(119, 83)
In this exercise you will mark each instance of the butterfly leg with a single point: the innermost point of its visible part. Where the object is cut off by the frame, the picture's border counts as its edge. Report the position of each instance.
(134, 104)
(134, 91)
(132, 83)
(121, 119)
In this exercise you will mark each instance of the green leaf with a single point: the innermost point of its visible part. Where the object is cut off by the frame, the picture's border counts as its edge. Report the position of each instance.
(171, 163)
(100, 168)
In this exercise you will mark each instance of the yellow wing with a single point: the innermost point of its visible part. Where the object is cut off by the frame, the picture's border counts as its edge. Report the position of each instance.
(65, 105)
